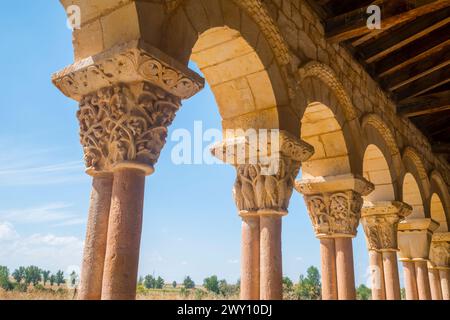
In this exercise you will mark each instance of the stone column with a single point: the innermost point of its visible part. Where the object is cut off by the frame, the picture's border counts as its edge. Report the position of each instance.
(414, 239)
(334, 206)
(391, 276)
(409, 272)
(96, 235)
(128, 97)
(435, 283)
(263, 188)
(328, 267)
(444, 275)
(380, 221)
(250, 258)
(439, 266)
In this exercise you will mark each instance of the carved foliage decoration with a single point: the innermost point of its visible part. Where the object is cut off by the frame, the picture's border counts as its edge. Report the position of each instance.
(335, 214)
(253, 191)
(381, 232)
(127, 65)
(125, 123)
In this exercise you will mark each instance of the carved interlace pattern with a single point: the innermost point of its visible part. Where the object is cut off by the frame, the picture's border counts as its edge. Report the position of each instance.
(254, 191)
(125, 123)
(381, 232)
(439, 254)
(335, 214)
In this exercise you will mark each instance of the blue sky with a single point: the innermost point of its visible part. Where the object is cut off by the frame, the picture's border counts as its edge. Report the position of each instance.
(191, 226)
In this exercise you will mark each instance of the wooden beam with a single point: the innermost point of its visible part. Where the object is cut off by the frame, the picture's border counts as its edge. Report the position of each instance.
(424, 105)
(413, 52)
(423, 85)
(421, 68)
(399, 37)
(441, 148)
(393, 12)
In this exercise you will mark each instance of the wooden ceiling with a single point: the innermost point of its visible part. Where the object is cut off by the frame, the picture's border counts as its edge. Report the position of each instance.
(409, 56)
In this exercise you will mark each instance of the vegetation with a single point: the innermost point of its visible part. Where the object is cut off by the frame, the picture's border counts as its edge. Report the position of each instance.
(188, 283)
(363, 293)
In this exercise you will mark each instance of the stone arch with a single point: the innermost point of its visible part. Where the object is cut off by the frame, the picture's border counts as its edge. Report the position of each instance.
(327, 114)
(239, 58)
(412, 163)
(376, 170)
(412, 195)
(379, 135)
(257, 11)
(439, 201)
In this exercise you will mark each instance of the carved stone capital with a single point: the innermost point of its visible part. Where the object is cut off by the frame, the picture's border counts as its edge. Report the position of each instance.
(414, 238)
(256, 147)
(266, 169)
(125, 126)
(334, 204)
(440, 251)
(130, 62)
(380, 222)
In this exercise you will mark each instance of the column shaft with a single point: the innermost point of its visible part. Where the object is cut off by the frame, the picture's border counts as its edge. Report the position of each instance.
(271, 286)
(250, 258)
(435, 284)
(96, 236)
(124, 235)
(345, 269)
(391, 277)
(377, 275)
(423, 282)
(410, 280)
(329, 278)
(444, 276)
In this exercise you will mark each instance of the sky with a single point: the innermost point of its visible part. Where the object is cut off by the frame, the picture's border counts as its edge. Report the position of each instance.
(191, 226)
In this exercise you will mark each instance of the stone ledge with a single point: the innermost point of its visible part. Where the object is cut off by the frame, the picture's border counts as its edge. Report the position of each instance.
(129, 62)
(334, 184)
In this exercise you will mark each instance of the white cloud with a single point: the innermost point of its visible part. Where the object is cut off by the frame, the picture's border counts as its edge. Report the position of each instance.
(7, 232)
(44, 250)
(32, 167)
(57, 212)
(233, 261)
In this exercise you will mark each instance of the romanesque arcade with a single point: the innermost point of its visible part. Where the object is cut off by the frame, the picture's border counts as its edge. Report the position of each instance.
(270, 67)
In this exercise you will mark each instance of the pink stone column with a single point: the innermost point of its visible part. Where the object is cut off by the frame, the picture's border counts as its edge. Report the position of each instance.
(96, 235)
(124, 235)
(423, 282)
(444, 276)
(329, 278)
(409, 272)
(376, 266)
(391, 277)
(250, 258)
(435, 284)
(345, 269)
(271, 286)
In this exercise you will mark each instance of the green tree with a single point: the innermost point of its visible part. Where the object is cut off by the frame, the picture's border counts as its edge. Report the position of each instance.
(403, 294)
(73, 279)
(174, 284)
(149, 282)
(4, 279)
(363, 293)
(45, 276)
(19, 274)
(309, 287)
(211, 284)
(52, 280)
(288, 285)
(188, 283)
(159, 283)
(33, 275)
(59, 278)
